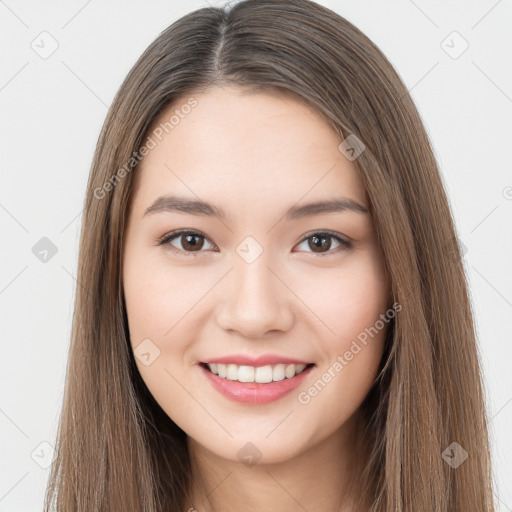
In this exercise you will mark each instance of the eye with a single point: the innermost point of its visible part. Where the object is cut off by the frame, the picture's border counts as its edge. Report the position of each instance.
(190, 241)
(318, 241)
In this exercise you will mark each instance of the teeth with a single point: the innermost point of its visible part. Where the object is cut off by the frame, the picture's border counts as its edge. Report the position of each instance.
(232, 372)
(278, 372)
(289, 371)
(221, 370)
(245, 373)
(259, 374)
(263, 374)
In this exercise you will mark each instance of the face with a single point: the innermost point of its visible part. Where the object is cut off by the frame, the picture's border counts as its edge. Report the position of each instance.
(255, 308)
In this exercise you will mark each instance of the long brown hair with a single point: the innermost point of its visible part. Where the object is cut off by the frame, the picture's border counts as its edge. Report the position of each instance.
(116, 448)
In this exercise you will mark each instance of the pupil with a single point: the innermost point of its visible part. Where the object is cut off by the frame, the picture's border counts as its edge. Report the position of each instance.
(190, 243)
(318, 244)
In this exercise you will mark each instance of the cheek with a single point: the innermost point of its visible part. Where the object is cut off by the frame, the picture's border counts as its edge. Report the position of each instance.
(353, 304)
(156, 305)
(162, 304)
(348, 298)
(156, 295)
(340, 386)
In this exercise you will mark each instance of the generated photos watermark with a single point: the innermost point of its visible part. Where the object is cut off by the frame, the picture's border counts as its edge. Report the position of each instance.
(151, 143)
(305, 397)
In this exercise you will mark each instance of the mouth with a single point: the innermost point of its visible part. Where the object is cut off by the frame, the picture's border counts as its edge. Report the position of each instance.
(256, 374)
(255, 385)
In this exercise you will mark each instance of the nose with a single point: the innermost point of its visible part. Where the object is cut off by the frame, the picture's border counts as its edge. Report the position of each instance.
(255, 300)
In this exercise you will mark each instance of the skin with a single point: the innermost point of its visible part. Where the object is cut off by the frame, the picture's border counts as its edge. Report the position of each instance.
(255, 155)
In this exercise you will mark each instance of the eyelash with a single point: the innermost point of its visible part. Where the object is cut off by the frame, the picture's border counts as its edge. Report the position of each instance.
(344, 244)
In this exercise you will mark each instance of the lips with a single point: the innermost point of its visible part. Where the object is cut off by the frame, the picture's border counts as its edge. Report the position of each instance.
(255, 380)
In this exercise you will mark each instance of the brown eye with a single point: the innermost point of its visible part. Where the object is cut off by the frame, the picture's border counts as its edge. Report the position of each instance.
(320, 243)
(190, 241)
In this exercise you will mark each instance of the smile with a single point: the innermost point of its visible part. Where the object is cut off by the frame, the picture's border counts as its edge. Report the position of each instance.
(255, 385)
(258, 374)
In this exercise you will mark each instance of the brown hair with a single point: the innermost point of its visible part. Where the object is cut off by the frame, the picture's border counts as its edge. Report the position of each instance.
(116, 448)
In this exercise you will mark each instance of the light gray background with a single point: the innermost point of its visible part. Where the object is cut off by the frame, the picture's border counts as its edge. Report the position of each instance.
(52, 110)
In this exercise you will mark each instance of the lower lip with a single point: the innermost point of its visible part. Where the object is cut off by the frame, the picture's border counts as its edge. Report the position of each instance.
(252, 392)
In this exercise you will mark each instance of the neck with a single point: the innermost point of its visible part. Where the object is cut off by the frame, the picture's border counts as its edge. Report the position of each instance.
(322, 478)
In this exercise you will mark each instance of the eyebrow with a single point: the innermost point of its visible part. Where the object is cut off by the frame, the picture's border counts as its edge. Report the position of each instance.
(198, 207)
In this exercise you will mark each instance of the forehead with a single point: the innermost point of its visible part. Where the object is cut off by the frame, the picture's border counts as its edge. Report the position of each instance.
(238, 149)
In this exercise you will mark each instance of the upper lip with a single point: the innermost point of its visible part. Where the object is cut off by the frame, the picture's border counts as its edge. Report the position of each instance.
(263, 360)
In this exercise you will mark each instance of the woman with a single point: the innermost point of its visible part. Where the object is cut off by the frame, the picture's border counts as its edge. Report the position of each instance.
(273, 311)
